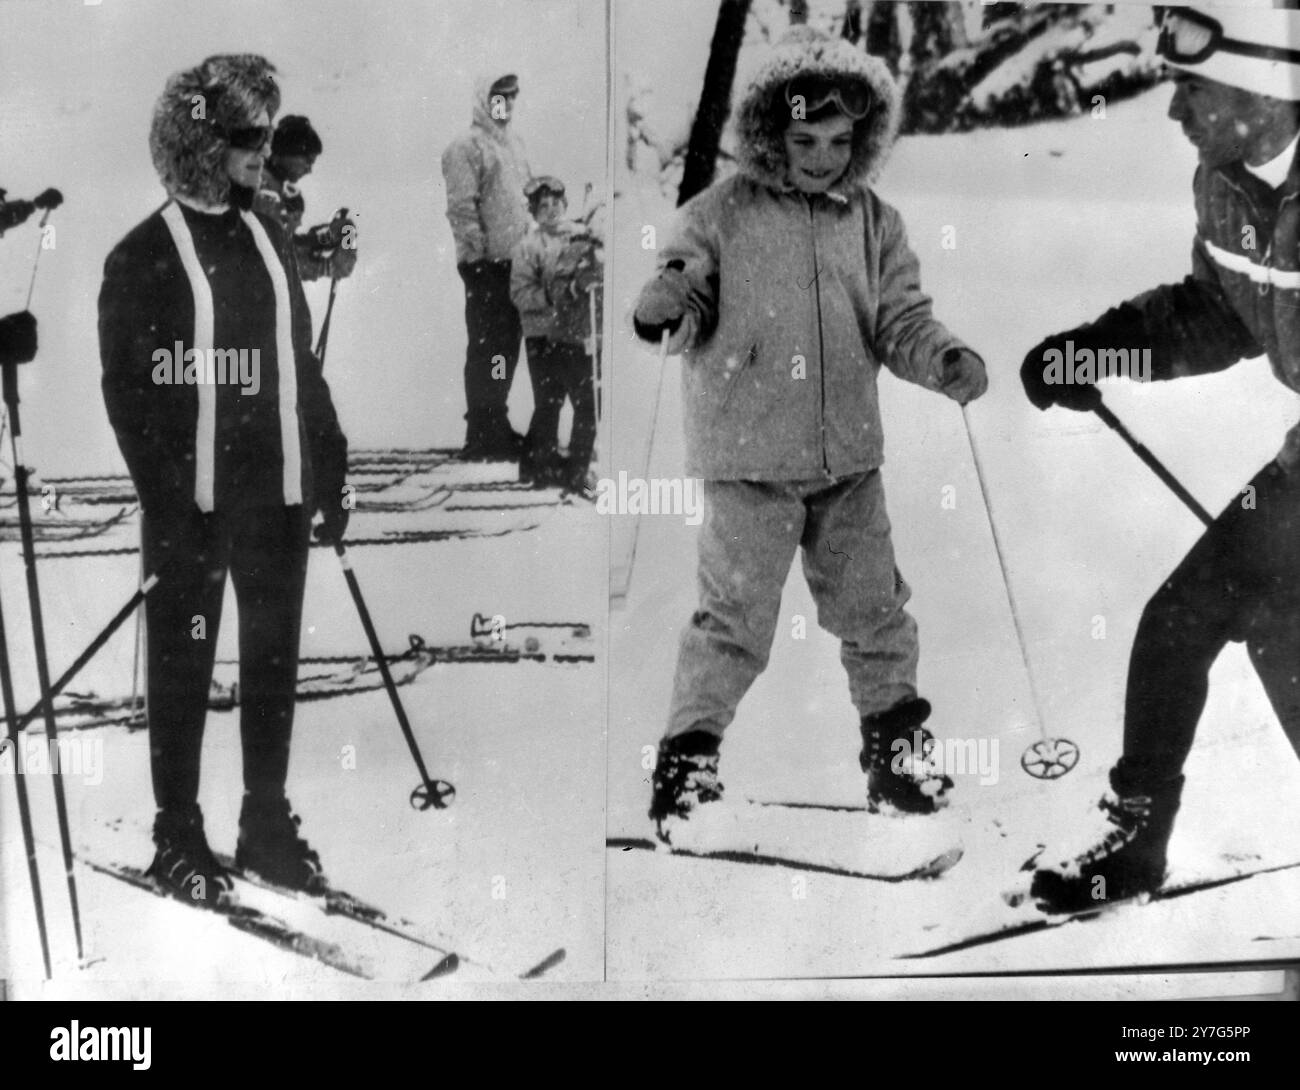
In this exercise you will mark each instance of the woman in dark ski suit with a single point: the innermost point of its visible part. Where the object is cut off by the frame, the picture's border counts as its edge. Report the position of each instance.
(229, 471)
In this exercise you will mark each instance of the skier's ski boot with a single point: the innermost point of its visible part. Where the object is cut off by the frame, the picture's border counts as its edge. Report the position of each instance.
(896, 758)
(685, 778)
(579, 482)
(270, 847)
(1120, 857)
(184, 865)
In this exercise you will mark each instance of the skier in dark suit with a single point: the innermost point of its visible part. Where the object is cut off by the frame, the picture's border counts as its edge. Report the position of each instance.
(230, 435)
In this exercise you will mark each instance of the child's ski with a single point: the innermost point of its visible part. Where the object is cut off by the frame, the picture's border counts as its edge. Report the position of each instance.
(847, 842)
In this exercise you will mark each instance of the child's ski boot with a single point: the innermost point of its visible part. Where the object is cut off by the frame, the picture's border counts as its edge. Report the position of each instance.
(896, 758)
(685, 778)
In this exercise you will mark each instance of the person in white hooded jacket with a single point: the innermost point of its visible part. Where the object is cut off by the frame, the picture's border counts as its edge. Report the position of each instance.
(485, 170)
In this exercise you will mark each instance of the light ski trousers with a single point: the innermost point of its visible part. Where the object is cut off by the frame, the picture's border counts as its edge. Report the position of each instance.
(747, 541)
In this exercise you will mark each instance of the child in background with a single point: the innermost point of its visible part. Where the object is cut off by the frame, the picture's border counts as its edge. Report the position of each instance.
(787, 286)
(552, 270)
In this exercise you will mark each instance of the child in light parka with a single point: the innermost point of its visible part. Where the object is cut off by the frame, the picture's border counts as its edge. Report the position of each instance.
(786, 287)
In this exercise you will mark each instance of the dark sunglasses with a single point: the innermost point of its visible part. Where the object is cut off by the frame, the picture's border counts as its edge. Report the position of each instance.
(248, 138)
(1190, 37)
(851, 98)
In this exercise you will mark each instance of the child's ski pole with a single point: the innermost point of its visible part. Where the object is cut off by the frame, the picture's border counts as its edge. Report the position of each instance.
(620, 594)
(595, 349)
(1048, 758)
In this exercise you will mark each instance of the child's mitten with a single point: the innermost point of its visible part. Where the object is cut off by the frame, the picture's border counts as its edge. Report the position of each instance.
(663, 306)
(964, 378)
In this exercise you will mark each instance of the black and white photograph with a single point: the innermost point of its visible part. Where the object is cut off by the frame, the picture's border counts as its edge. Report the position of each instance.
(302, 306)
(1027, 699)
(649, 499)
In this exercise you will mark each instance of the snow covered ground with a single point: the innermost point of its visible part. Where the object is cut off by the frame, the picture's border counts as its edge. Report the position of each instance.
(515, 868)
(1054, 223)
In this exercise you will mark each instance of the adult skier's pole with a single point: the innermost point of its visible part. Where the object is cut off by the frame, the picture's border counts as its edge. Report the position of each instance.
(1153, 463)
(324, 337)
(431, 793)
(1048, 758)
(49, 200)
(92, 649)
(21, 476)
(20, 782)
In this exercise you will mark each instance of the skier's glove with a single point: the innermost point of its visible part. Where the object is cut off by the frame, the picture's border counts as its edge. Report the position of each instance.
(12, 213)
(343, 262)
(1045, 382)
(18, 337)
(334, 521)
(1121, 327)
(964, 377)
(48, 199)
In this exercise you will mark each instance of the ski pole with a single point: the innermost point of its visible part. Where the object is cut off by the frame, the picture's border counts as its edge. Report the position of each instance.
(49, 200)
(595, 348)
(135, 646)
(649, 448)
(21, 476)
(324, 337)
(24, 806)
(92, 649)
(1048, 758)
(431, 793)
(1153, 463)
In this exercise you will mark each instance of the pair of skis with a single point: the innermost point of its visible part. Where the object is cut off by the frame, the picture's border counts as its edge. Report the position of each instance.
(337, 929)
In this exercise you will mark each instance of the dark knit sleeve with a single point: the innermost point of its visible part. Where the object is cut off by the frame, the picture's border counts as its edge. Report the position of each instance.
(145, 415)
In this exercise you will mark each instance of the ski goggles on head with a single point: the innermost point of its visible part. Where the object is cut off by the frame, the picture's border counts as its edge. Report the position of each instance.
(812, 93)
(536, 188)
(246, 138)
(1191, 37)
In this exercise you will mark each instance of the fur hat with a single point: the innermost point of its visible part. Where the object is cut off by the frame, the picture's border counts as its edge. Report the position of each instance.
(224, 92)
(1273, 77)
(764, 114)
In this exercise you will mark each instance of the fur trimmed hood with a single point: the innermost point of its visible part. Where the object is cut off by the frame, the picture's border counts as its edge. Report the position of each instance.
(763, 114)
(187, 150)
